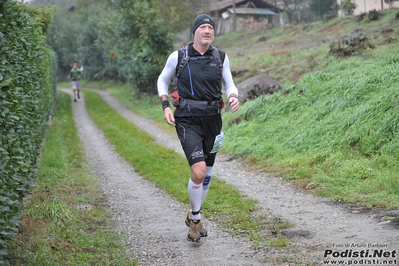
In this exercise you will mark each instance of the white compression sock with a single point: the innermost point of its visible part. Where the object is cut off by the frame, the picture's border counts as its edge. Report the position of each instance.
(195, 193)
(206, 184)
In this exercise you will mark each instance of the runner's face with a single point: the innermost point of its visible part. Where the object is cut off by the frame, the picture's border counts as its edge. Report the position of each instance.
(204, 34)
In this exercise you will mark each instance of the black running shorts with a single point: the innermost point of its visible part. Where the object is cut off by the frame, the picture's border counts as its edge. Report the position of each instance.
(197, 135)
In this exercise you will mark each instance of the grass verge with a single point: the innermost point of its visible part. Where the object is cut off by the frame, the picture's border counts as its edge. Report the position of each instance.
(66, 220)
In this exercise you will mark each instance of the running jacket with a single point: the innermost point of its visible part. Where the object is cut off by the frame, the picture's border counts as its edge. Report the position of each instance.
(201, 80)
(75, 74)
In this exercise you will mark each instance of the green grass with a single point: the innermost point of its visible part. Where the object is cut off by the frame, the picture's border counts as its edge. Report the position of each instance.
(145, 105)
(53, 231)
(223, 203)
(338, 129)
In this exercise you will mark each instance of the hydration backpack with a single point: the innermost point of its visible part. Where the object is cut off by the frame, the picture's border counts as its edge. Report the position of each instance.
(183, 62)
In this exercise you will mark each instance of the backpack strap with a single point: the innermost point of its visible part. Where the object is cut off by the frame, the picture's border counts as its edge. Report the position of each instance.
(186, 58)
(182, 64)
(216, 55)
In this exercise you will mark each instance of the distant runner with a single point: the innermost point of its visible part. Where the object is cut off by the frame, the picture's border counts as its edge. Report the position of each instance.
(75, 75)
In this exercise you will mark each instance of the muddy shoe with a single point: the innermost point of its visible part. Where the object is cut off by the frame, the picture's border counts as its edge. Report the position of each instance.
(201, 229)
(193, 233)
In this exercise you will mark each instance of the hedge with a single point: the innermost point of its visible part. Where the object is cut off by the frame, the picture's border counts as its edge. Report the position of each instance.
(27, 90)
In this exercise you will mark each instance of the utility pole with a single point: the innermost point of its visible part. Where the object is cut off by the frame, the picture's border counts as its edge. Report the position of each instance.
(300, 24)
(234, 15)
(321, 16)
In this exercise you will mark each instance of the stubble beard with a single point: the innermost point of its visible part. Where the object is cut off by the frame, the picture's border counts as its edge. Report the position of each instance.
(203, 42)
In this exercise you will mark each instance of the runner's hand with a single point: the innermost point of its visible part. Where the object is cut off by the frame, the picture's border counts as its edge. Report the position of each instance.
(168, 116)
(234, 103)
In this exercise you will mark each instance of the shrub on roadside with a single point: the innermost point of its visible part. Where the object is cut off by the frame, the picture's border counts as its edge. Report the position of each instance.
(27, 89)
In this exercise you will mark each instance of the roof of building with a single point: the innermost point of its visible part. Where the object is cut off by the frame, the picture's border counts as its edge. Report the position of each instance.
(252, 11)
(253, 4)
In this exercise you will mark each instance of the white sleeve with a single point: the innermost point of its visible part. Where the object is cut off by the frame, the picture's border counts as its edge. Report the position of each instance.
(167, 73)
(229, 85)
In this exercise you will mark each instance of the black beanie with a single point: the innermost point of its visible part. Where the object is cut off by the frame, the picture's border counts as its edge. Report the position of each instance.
(202, 19)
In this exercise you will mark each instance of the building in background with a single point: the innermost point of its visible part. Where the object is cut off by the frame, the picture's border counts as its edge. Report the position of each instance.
(365, 6)
(242, 15)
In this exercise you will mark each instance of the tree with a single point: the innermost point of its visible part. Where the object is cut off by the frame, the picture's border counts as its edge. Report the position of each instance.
(177, 14)
(124, 40)
(94, 47)
(290, 7)
(323, 7)
(62, 37)
(348, 7)
(144, 42)
(62, 4)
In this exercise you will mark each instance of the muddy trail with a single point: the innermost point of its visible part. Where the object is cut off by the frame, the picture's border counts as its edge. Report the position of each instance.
(153, 223)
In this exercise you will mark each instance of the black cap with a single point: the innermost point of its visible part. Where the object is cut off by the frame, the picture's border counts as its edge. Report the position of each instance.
(202, 19)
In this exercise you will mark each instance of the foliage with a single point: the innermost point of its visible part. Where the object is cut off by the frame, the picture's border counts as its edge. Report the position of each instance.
(94, 47)
(143, 42)
(177, 14)
(323, 7)
(65, 4)
(77, 35)
(373, 15)
(62, 38)
(290, 7)
(348, 47)
(26, 93)
(89, 32)
(41, 17)
(348, 7)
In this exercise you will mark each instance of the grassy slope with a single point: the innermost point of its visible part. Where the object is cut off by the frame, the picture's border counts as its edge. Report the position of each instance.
(335, 133)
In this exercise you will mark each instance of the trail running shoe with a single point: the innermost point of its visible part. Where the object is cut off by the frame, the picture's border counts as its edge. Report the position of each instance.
(201, 229)
(193, 233)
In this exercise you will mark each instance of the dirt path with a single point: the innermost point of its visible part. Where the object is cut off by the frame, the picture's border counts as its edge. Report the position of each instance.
(153, 222)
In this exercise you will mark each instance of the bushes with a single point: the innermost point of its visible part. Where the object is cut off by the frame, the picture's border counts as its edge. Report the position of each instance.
(27, 89)
(121, 40)
(149, 43)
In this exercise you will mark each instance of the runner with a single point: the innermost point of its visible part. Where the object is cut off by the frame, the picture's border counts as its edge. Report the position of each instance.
(74, 75)
(197, 117)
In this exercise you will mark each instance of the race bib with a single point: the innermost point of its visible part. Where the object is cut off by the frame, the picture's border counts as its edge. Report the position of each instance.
(218, 143)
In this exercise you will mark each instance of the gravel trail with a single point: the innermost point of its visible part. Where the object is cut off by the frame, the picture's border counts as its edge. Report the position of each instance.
(153, 223)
